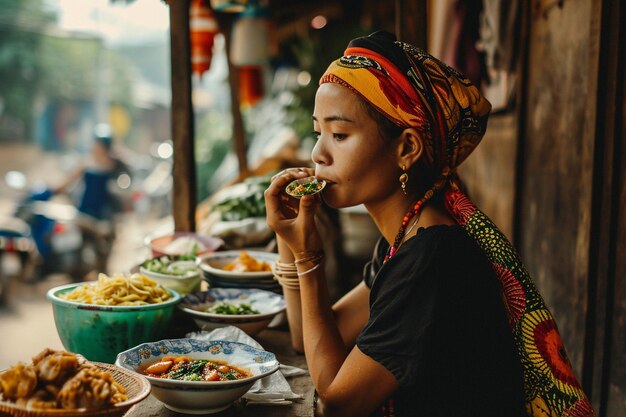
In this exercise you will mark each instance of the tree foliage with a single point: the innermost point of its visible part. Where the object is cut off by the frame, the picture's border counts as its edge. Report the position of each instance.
(21, 26)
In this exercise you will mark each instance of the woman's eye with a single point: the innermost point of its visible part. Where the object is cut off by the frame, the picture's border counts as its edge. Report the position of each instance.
(339, 136)
(316, 135)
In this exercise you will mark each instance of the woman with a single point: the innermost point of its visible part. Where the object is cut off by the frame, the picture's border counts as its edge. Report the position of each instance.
(426, 333)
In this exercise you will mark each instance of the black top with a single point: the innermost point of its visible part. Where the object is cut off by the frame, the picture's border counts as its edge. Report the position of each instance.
(438, 323)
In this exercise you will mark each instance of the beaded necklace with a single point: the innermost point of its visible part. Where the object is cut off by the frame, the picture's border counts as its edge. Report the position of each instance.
(416, 210)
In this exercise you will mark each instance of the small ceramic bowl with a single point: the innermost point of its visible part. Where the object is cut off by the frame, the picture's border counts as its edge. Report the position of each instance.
(180, 243)
(176, 272)
(305, 186)
(200, 397)
(267, 303)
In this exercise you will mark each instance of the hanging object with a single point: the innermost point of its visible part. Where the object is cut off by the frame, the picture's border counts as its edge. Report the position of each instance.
(250, 37)
(229, 6)
(203, 28)
(250, 85)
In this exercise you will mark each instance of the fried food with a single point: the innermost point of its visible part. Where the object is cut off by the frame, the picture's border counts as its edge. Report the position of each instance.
(55, 367)
(19, 381)
(90, 388)
(59, 379)
(247, 263)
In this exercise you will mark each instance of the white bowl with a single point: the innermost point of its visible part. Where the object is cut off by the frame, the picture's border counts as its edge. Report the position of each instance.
(183, 284)
(267, 303)
(214, 264)
(200, 397)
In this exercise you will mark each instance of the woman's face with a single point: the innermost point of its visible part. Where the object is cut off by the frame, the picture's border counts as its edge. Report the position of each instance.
(350, 154)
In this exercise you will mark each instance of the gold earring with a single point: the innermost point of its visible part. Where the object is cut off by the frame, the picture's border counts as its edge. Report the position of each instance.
(404, 178)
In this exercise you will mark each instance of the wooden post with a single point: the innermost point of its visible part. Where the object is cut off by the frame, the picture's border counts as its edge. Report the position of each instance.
(411, 21)
(225, 21)
(184, 169)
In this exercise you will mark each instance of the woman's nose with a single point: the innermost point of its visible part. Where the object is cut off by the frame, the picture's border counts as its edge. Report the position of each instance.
(318, 154)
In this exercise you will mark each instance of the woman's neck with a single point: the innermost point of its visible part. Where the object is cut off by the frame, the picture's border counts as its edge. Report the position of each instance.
(388, 216)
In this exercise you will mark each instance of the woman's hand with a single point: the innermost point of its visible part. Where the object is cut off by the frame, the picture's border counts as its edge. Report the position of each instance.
(293, 220)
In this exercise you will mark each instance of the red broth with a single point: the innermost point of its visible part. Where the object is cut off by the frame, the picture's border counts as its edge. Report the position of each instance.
(184, 368)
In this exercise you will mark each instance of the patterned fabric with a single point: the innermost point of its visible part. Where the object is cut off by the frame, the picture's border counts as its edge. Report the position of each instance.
(550, 386)
(414, 89)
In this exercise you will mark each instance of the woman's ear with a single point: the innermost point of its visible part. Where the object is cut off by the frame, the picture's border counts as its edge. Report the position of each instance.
(410, 147)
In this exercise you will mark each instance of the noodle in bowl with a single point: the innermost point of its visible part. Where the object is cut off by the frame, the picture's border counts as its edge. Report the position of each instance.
(103, 318)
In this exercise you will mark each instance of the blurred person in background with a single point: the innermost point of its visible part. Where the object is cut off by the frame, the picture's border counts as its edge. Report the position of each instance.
(96, 176)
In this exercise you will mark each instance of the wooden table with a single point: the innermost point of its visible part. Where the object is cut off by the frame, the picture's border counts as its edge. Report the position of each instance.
(272, 340)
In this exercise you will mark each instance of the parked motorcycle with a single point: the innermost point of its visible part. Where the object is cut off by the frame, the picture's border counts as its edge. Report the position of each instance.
(47, 236)
(18, 253)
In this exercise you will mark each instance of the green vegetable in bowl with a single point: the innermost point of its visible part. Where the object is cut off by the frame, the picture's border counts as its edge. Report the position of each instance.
(231, 309)
(179, 265)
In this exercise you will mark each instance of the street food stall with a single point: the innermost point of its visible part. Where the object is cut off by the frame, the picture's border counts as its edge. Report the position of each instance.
(526, 206)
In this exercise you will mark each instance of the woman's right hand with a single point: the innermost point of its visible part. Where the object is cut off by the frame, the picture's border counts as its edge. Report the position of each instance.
(293, 220)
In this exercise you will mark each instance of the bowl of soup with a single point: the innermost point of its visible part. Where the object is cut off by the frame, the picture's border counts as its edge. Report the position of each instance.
(195, 376)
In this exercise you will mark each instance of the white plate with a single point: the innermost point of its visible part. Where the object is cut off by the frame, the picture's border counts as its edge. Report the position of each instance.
(214, 262)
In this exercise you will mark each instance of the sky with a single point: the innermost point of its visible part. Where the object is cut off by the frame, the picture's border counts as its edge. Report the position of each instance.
(117, 23)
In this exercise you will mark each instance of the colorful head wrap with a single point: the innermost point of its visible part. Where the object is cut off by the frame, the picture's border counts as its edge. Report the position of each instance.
(414, 89)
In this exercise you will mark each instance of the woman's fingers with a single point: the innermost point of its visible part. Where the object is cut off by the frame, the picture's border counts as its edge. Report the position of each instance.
(277, 202)
(295, 172)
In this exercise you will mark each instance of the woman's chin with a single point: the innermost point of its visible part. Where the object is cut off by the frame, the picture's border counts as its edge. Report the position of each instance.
(334, 201)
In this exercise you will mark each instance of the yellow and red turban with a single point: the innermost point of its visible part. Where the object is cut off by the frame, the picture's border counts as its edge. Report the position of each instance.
(414, 89)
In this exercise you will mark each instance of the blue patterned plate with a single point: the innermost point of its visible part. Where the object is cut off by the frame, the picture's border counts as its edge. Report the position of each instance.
(200, 397)
(267, 303)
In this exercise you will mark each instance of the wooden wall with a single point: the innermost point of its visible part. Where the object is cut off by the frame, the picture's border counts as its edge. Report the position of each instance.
(557, 170)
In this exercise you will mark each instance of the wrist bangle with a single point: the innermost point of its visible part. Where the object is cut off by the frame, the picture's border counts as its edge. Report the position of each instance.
(309, 270)
(314, 256)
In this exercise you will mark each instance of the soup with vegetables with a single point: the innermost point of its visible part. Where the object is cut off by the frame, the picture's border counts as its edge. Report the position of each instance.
(187, 369)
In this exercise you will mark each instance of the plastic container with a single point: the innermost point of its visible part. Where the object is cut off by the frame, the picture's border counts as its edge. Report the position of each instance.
(99, 333)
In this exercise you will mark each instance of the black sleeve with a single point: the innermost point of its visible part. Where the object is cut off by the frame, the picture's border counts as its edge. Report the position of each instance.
(402, 302)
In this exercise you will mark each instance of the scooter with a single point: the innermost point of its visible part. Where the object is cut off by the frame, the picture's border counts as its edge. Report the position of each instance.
(18, 253)
(56, 238)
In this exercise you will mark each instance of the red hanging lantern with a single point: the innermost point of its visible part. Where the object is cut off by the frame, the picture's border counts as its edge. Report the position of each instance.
(203, 28)
(250, 85)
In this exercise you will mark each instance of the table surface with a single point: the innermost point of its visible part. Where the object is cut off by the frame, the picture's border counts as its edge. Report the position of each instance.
(273, 340)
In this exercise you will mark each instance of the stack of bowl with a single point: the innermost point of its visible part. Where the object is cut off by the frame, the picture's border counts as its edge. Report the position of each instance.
(213, 266)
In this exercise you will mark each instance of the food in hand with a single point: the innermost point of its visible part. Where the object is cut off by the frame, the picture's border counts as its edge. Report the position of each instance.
(231, 309)
(305, 186)
(247, 263)
(188, 369)
(60, 380)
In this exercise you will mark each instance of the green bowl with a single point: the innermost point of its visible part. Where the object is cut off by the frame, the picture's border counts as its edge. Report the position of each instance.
(100, 332)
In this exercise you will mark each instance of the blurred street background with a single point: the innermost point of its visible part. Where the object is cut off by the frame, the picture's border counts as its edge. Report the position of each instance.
(117, 55)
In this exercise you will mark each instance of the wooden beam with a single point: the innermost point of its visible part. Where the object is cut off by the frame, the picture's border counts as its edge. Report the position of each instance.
(184, 169)
(225, 21)
(411, 21)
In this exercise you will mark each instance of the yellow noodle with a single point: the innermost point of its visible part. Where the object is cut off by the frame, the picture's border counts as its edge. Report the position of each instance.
(119, 290)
